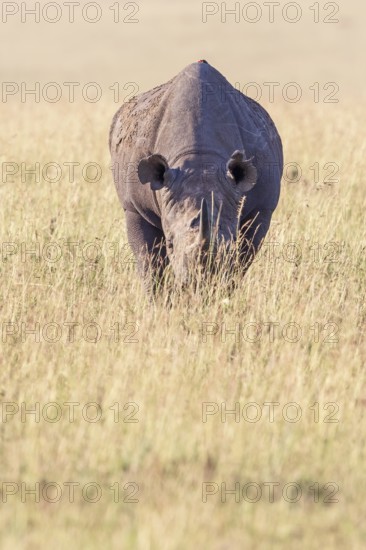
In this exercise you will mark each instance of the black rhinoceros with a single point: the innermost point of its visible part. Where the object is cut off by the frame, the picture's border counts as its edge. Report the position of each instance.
(195, 163)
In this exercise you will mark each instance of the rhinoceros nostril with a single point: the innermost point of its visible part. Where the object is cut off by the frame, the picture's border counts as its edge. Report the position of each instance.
(195, 222)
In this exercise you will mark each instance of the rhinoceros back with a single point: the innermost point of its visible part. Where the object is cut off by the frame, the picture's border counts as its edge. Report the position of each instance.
(197, 112)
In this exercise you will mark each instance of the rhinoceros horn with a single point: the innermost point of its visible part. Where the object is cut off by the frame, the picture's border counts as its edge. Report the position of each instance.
(204, 226)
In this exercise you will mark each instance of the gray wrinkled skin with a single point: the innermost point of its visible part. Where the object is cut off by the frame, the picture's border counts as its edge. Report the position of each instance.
(195, 137)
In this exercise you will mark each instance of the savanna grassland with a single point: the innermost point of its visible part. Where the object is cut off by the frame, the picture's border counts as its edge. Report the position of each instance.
(160, 375)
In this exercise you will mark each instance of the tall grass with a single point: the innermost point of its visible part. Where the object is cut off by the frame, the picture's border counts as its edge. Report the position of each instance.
(291, 331)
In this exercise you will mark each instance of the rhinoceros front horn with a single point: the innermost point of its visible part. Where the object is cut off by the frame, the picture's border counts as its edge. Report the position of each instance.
(205, 231)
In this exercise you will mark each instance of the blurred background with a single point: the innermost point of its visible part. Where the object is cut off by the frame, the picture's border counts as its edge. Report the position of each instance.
(150, 42)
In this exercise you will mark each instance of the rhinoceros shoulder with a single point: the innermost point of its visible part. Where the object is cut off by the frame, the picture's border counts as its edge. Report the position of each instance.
(132, 114)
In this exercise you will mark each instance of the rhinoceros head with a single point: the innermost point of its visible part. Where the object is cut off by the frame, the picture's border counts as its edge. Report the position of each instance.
(200, 204)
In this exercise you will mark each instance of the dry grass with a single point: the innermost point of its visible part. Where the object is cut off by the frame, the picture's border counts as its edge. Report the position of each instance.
(164, 359)
(171, 370)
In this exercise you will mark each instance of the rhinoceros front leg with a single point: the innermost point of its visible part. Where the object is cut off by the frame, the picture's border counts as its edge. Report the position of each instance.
(148, 245)
(253, 229)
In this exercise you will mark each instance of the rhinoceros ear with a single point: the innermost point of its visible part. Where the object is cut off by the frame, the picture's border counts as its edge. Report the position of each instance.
(241, 171)
(153, 169)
